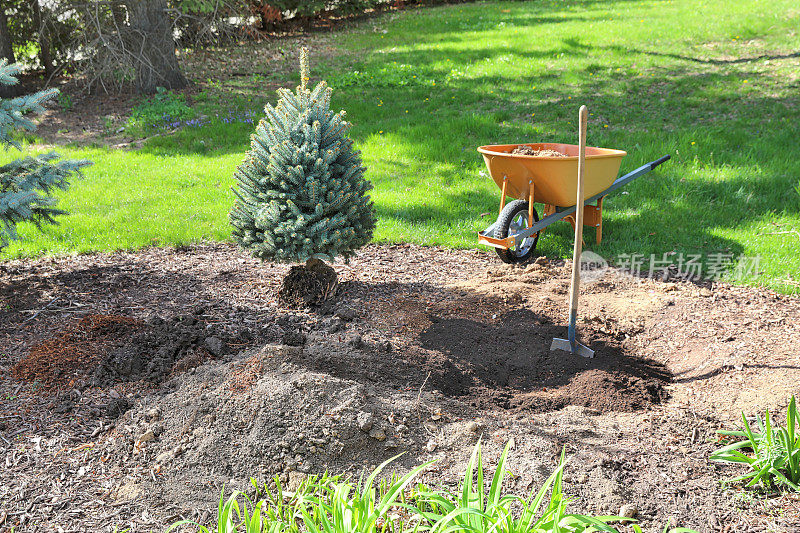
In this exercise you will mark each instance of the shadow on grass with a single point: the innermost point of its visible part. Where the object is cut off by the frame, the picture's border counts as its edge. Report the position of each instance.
(681, 207)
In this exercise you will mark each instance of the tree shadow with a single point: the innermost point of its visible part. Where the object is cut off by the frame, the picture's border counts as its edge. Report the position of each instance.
(509, 362)
(721, 370)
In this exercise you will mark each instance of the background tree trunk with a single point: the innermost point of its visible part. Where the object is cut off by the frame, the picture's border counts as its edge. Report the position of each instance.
(7, 52)
(6, 49)
(148, 37)
(45, 49)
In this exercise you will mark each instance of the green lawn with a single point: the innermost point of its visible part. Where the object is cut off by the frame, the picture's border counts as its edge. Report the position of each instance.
(716, 84)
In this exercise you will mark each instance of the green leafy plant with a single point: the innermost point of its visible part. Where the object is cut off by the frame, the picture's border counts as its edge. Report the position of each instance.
(325, 504)
(347, 507)
(775, 451)
(474, 510)
(65, 101)
(165, 109)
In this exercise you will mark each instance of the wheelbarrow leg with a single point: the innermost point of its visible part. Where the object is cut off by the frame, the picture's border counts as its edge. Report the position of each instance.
(530, 203)
(593, 217)
(503, 195)
(599, 223)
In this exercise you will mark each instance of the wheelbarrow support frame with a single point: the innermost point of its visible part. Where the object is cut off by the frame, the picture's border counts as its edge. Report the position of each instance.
(485, 236)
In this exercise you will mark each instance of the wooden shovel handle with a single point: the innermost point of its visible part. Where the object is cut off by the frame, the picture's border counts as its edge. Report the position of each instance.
(583, 119)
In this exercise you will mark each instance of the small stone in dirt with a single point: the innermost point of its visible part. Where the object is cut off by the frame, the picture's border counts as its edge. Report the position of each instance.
(147, 436)
(333, 325)
(472, 427)
(365, 420)
(154, 414)
(402, 428)
(294, 338)
(272, 332)
(706, 293)
(117, 407)
(386, 346)
(628, 510)
(164, 457)
(295, 478)
(215, 345)
(355, 340)
(378, 434)
(346, 313)
(431, 445)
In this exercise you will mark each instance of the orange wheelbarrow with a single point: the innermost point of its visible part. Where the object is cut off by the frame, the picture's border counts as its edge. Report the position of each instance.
(551, 181)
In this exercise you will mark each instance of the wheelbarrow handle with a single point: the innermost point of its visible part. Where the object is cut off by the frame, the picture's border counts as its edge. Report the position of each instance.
(658, 161)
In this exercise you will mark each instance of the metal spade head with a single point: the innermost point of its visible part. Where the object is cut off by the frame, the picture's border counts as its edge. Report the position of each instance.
(573, 347)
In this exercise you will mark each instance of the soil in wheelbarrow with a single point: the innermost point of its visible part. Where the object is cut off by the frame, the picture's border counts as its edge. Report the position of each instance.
(524, 149)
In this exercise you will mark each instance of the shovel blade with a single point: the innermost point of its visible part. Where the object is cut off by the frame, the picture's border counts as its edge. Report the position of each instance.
(577, 348)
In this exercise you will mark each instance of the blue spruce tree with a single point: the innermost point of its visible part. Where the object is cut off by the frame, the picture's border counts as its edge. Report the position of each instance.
(26, 184)
(301, 193)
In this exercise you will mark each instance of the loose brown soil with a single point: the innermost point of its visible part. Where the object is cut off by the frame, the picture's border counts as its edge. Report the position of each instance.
(524, 149)
(134, 386)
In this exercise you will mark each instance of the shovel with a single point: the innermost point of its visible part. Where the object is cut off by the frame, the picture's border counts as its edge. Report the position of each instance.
(572, 345)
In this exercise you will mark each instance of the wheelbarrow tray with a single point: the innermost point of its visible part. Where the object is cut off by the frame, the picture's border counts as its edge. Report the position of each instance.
(554, 178)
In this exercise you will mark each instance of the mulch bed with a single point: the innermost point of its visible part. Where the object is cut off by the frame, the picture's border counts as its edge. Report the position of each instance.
(447, 344)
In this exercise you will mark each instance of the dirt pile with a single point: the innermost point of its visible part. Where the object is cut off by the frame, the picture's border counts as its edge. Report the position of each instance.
(508, 363)
(102, 350)
(422, 351)
(261, 415)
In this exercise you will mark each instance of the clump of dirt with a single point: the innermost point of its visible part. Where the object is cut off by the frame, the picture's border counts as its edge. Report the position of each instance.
(61, 361)
(162, 348)
(524, 149)
(308, 285)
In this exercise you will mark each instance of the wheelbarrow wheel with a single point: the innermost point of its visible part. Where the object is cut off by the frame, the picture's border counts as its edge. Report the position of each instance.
(513, 219)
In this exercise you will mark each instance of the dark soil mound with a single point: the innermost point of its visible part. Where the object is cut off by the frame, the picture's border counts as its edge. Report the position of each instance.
(509, 364)
(308, 285)
(61, 361)
(162, 348)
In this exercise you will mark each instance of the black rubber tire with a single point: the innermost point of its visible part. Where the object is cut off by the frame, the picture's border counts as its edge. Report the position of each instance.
(511, 210)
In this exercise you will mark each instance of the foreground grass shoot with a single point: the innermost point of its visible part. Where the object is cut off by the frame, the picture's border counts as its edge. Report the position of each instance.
(474, 510)
(345, 507)
(334, 504)
(775, 458)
